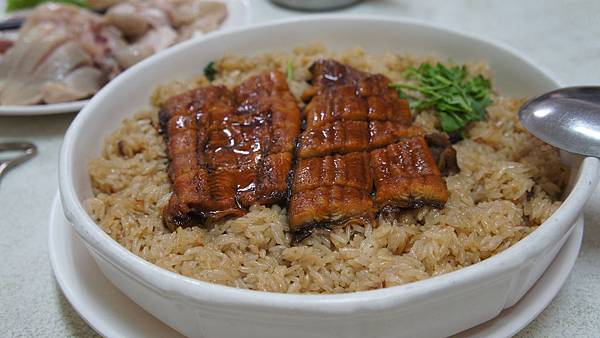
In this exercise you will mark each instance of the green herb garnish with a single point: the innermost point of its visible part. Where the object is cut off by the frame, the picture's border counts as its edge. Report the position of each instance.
(290, 70)
(210, 71)
(13, 5)
(457, 97)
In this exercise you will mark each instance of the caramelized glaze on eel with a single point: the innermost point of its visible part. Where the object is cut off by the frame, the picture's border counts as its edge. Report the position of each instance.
(358, 155)
(229, 149)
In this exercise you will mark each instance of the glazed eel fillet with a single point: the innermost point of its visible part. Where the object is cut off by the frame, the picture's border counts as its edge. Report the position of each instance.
(359, 154)
(229, 149)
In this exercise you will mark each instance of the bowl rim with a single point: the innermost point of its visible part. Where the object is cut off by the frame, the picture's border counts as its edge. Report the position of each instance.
(187, 289)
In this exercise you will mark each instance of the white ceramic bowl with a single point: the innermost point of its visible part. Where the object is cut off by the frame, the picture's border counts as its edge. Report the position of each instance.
(438, 306)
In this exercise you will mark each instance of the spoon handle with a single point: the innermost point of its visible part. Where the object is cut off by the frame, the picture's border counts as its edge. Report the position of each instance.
(28, 151)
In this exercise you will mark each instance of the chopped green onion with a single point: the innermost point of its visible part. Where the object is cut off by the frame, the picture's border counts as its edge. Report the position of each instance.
(457, 97)
(210, 71)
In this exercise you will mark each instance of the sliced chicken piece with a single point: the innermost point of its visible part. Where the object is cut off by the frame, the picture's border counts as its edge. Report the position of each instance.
(65, 75)
(186, 12)
(62, 73)
(208, 17)
(136, 18)
(125, 17)
(147, 26)
(80, 83)
(130, 32)
(30, 49)
(61, 62)
(20, 61)
(153, 41)
(53, 44)
(109, 37)
(86, 27)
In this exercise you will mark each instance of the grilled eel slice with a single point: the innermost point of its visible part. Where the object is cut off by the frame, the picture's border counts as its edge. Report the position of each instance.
(229, 149)
(359, 154)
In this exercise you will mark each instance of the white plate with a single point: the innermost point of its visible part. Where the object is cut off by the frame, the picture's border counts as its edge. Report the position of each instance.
(112, 314)
(239, 15)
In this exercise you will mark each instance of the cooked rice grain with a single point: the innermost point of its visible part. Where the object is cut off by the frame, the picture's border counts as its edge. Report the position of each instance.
(509, 184)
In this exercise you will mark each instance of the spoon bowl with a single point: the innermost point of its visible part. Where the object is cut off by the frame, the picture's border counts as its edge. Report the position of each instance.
(567, 118)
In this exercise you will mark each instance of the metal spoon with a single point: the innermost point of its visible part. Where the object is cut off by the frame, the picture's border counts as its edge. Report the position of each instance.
(567, 118)
(28, 151)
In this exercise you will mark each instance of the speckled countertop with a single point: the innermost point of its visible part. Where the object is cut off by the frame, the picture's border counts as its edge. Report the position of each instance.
(562, 36)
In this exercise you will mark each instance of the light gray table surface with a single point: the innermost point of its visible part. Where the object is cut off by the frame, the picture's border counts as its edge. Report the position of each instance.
(561, 36)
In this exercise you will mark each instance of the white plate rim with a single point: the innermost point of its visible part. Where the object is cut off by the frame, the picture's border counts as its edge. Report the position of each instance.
(239, 14)
(506, 324)
(64, 270)
(42, 109)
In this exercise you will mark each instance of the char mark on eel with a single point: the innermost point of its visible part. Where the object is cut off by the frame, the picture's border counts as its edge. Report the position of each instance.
(406, 176)
(229, 149)
(360, 154)
(329, 191)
